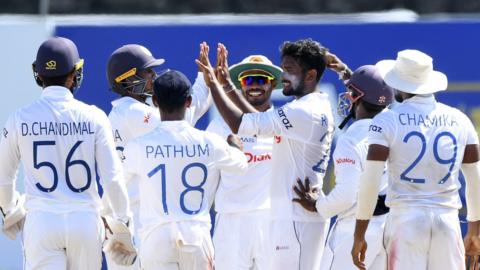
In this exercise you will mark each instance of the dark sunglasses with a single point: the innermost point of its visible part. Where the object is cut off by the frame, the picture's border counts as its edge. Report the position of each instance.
(250, 79)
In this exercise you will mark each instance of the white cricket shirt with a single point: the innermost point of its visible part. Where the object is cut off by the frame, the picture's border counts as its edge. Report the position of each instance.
(60, 142)
(305, 129)
(348, 157)
(427, 141)
(131, 118)
(251, 191)
(179, 169)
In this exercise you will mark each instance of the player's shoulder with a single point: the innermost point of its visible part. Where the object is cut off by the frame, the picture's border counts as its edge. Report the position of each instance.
(388, 114)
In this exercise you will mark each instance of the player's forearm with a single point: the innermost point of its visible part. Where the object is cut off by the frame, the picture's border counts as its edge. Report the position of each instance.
(238, 99)
(471, 171)
(474, 227)
(7, 200)
(361, 227)
(369, 187)
(117, 195)
(230, 113)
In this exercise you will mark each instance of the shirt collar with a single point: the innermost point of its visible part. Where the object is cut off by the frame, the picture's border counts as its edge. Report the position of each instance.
(421, 99)
(174, 124)
(56, 92)
(124, 99)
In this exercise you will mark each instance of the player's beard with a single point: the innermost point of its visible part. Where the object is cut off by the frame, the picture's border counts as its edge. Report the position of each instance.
(295, 86)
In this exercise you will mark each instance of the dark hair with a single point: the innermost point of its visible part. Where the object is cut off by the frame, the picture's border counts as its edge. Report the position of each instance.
(169, 101)
(372, 108)
(57, 80)
(172, 89)
(308, 53)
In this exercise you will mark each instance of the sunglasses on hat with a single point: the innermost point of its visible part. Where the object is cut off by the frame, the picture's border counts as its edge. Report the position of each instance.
(250, 79)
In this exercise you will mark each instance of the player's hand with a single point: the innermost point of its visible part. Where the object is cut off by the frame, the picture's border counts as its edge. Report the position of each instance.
(203, 63)
(334, 63)
(14, 219)
(472, 248)
(120, 243)
(358, 252)
(234, 141)
(221, 70)
(307, 196)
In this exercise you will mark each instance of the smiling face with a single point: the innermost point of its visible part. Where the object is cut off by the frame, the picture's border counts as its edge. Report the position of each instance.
(257, 88)
(292, 77)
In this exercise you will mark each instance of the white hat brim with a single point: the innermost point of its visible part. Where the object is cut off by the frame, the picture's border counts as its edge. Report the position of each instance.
(436, 82)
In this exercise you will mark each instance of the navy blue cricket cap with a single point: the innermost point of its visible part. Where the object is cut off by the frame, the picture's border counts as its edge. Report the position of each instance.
(127, 60)
(172, 83)
(368, 81)
(57, 56)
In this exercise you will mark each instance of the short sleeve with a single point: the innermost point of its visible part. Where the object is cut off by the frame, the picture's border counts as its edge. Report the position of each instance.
(382, 129)
(9, 152)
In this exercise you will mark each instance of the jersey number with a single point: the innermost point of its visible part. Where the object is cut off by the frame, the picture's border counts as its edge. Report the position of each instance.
(68, 163)
(450, 161)
(189, 188)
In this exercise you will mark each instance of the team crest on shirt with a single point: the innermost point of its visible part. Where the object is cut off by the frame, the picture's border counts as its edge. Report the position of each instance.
(5, 132)
(146, 118)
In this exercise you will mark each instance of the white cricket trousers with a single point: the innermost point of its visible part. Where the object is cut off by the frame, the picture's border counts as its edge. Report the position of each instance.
(297, 245)
(111, 265)
(241, 240)
(71, 241)
(422, 238)
(183, 245)
(337, 254)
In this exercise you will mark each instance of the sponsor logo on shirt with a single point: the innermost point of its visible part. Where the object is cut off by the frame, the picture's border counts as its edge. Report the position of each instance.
(146, 118)
(282, 247)
(278, 139)
(257, 158)
(284, 118)
(345, 160)
(375, 128)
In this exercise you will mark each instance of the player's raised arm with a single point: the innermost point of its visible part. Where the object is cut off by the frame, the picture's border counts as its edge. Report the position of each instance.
(231, 113)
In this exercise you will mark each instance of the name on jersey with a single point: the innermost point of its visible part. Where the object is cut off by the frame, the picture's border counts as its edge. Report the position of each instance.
(410, 119)
(257, 158)
(284, 118)
(345, 161)
(176, 151)
(56, 128)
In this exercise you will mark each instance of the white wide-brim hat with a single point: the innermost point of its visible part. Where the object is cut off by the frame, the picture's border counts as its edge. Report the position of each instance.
(412, 72)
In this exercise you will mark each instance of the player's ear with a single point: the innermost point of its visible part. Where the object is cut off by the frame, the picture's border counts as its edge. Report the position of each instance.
(188, 102)
(311, 75)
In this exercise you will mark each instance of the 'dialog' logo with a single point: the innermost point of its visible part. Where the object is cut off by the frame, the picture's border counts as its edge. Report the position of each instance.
(50, 65)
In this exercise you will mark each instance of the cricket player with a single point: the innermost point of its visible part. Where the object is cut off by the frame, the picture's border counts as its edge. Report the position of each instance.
(178, 168)
(242, 202)
(305, 128)
(425, 144)
(59, 142)
(130, 73)
(366, 96)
